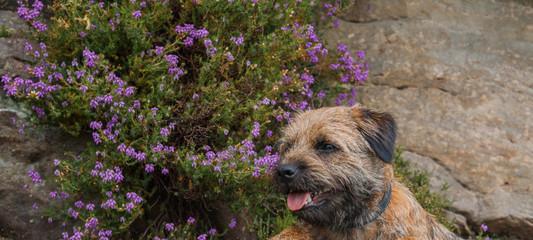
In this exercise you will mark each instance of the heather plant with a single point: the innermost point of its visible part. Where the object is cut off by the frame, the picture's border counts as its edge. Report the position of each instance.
(183, 101)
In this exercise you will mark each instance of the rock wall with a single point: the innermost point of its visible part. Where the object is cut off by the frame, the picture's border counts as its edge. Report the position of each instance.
(22, 148)
(458, 77)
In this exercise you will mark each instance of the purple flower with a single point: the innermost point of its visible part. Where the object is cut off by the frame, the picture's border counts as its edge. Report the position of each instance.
(210, 49)
(109, 204)
(129, 91)
(140, 156)
(256, 129)
(165, 132)
(238, 40)
(229, 57)
(484, 227)
(90, 58)
(191, 220)
(110, 175)
(91, 223)
(136, 104)
(95, 125)
(53, 194)
(35, 177)
(96, 138)
(38, 71)
(188, 41)
(74, 214)
(199, 33)
(256, 172)
(129, 206)
(64, 195)
(39, 26)
(164, 171)
(136, 14)
(104, 234)
(172, 59)
(154, 110)
(265, 101)
(307, 78)
(134, 197)
(149, 168)
(269, 133)
(361, 54)
(202, 237)
(169, 227)
(89, 207)
(233, 223)
(122, 147)
(39, 111)
(342, 48)
(185, 28)
(330, 9)
(212, 231)
(159, 50)
(210, 155)
(79, 204)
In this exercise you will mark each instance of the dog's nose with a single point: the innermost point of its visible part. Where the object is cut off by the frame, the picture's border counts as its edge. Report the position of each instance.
(288, 171)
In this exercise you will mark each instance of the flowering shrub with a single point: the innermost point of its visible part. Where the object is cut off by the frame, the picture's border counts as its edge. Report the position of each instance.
(183, 101)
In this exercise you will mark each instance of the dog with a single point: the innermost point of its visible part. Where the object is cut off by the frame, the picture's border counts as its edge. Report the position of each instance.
(336, 169)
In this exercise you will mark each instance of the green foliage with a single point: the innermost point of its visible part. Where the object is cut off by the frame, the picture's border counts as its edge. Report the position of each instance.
(418, 182)
(4, 32)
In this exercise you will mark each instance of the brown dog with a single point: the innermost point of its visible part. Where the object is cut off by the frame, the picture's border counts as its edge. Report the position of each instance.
(336, 169)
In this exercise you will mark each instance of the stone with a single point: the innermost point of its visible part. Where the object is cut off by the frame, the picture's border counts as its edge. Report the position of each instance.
(372, 10)
(460, 223)
(458, 77)
(12, 57)
(8, 5)
(12, 23)
(22, 148)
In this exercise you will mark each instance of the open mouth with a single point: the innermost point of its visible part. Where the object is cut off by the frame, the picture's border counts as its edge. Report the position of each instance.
(297, 201)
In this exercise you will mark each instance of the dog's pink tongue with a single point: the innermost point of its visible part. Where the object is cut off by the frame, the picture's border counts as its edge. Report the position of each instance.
(296, 201)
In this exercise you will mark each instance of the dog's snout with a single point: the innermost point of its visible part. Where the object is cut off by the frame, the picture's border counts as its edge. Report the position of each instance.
(288, 171)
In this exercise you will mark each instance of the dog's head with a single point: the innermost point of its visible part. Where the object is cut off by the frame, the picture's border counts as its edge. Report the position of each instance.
(335, 163)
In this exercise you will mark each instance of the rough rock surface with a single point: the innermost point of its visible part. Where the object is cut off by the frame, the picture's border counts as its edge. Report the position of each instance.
(23, 148)
(458, 77)
(12, 56)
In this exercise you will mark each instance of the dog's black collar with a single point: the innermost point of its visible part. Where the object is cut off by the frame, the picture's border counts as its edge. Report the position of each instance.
(382, 206)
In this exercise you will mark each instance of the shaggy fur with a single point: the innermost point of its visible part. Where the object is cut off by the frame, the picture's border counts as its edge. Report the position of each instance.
(346, 154)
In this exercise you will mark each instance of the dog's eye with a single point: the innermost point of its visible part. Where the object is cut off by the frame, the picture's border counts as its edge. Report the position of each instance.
(283, 146)
(325, 147)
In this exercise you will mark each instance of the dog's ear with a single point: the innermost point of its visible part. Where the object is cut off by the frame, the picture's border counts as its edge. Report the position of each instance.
(378, 129)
